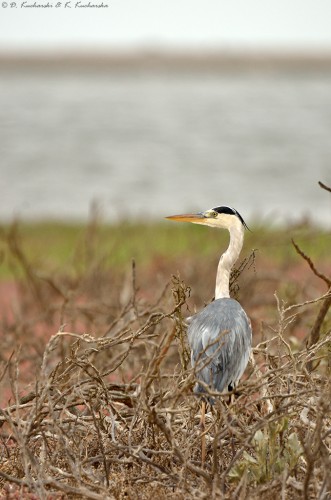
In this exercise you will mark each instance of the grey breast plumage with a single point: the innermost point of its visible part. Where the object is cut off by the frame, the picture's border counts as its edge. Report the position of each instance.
(220, 338)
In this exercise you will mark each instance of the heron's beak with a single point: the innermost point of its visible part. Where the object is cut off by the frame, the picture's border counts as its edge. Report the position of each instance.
(195, 218)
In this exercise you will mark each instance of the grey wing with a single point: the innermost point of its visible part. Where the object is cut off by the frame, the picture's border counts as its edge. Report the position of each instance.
(220, 338)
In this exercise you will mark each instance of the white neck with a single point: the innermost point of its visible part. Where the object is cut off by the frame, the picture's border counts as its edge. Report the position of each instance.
(228, 259)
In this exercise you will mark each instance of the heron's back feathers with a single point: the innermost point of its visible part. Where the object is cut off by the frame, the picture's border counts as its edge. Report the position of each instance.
(220, 338)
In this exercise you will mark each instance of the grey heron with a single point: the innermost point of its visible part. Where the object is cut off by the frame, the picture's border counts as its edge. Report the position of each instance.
(219, 336)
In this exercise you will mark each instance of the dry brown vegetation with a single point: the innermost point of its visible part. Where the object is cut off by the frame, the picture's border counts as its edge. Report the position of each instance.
(104, 407)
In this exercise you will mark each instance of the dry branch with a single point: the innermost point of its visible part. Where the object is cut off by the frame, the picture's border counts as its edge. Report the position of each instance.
(324, 186)
(315, 331)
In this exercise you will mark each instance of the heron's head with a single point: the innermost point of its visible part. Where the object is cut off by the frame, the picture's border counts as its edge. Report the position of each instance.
(222, 217)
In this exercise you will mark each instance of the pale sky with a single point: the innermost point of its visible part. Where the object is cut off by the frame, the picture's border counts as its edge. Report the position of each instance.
(161, 24)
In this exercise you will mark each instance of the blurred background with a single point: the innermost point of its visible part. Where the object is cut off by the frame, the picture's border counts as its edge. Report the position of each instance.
(150, 108)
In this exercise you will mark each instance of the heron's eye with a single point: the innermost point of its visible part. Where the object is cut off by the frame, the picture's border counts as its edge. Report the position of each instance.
(212, 214)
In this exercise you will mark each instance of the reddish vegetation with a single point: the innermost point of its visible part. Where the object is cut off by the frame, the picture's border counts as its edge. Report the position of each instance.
(112, 413)
(32, 311)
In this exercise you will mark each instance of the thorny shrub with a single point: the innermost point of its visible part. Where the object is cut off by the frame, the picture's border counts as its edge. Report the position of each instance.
(110, 413)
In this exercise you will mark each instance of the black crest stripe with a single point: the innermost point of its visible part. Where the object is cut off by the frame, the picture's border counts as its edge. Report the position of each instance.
(230, 211)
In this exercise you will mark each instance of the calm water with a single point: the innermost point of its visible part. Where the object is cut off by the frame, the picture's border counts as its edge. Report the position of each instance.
(159, 143)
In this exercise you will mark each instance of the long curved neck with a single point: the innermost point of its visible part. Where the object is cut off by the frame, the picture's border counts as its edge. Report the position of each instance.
(228, 259)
